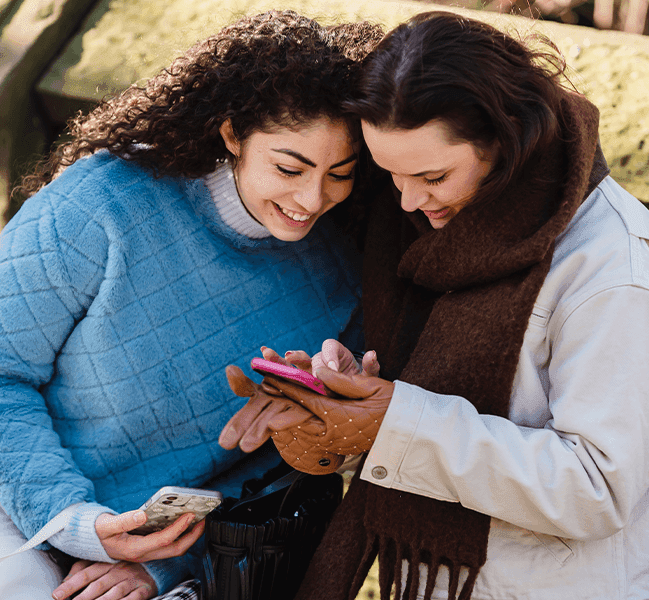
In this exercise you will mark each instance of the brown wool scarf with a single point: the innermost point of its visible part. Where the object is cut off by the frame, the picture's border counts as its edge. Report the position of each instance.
(447, 310)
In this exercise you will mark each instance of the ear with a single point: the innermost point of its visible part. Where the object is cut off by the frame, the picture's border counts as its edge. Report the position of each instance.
(231, 141)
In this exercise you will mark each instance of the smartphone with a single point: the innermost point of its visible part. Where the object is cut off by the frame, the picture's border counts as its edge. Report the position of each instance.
(267, 367)
(170, 502)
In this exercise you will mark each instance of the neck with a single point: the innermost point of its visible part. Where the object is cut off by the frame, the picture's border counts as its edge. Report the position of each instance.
(223, 189)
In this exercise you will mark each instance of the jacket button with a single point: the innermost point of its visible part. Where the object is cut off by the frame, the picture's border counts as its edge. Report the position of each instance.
(379, 472)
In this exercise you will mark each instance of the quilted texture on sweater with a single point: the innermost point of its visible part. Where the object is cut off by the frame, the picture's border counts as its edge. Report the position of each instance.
(122, 299)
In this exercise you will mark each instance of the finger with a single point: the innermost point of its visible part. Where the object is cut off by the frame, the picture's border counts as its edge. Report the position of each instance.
(350, 386)
(76, 567)
(159, 544)
(317, 361)
(239, 383)
(299, 359)
(290, 415)
(338, 358)
(113, 585)
(179, 546)
(108, 525)
(143, 592)
(307, 422)
(269, 389)
(239, 424)
(81, 578)
(371, 367)
(258, 432)
(138, 548)
(299, 394)
(271, 355)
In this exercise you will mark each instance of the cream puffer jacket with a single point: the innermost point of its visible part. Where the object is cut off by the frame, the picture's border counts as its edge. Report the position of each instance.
(566, 478)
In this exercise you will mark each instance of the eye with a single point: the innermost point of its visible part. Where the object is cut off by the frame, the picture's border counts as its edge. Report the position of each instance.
(437, 180)
(288, 172)
(337, 177)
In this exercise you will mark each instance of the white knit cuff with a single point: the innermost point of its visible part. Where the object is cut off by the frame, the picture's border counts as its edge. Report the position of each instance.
(79, 538)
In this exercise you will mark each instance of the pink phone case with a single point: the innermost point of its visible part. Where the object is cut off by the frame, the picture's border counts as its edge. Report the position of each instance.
(291, 373)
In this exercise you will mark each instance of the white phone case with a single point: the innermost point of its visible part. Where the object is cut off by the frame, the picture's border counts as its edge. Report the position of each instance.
(170, 502)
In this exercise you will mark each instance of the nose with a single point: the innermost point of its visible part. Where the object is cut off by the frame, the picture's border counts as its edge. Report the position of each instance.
(413, 196)
(310, 196)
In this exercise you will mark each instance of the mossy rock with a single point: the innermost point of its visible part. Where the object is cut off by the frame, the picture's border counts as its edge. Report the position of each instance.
(127, 41)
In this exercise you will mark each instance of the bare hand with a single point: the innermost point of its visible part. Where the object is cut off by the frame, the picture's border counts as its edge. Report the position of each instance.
(107, 581)
(112, 531)
(338, 358)
(292, 358)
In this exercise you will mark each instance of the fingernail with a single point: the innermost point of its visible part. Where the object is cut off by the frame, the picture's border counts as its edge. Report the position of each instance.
(332, 365)
(139, 517)
(57, 595)
(289, 352)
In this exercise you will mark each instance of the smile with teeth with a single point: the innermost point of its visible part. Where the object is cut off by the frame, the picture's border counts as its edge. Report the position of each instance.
(295, 216)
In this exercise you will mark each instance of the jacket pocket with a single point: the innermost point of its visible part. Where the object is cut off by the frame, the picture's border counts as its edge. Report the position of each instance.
(556, 546)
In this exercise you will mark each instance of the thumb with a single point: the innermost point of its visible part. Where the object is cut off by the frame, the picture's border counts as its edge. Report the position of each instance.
(107, 525)
(240, 384)
(337, 357)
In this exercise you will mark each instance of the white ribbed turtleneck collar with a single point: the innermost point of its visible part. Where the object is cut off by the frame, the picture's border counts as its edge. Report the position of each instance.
(223, 190)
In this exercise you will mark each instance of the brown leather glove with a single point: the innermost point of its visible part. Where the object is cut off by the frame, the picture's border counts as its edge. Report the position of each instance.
(248, 428)
(339, 426)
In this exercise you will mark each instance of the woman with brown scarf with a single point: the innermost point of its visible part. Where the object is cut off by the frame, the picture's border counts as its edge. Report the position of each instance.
(506, 294)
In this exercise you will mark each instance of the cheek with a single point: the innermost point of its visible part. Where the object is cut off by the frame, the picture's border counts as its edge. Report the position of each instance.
(339, 192)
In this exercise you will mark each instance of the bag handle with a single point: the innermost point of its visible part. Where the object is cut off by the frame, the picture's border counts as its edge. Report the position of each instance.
(287, 481)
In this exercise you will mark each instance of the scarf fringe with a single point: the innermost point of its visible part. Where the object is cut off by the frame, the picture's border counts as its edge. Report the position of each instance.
(391, 557)
(469, 584)
(370, 554)
(387, 557)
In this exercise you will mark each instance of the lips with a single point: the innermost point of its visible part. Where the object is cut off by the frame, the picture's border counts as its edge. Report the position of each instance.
(293, 219)
(437, 214)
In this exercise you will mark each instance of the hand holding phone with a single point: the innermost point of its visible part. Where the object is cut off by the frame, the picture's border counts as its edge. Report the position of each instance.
(267, 367)
(169, 503)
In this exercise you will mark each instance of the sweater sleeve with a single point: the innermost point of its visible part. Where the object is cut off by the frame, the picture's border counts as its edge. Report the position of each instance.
(168, 572)
(46, 286)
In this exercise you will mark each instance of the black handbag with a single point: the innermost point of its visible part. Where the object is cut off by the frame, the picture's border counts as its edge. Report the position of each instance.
(259, 547)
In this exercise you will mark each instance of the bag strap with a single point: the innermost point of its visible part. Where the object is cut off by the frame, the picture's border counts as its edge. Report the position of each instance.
(279, 484)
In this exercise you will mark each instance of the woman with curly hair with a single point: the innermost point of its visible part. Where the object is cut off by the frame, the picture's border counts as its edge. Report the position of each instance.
(181, 226)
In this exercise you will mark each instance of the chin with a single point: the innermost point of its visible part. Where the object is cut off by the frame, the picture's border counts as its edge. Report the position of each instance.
(290, 235)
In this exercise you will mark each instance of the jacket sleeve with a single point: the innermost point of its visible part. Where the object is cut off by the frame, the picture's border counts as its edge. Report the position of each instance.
(46, 286)
(577, 477)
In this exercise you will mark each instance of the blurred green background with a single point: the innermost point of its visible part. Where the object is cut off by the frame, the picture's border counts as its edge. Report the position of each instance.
(61, 56)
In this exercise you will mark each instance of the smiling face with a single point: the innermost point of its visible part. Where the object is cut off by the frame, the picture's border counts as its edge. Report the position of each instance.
(288, 178)
(434, 172)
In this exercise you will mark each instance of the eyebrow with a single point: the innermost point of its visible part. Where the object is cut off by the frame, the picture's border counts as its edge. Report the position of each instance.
(310, 163)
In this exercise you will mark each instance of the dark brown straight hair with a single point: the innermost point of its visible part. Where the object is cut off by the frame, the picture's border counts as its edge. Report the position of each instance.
(489, 88)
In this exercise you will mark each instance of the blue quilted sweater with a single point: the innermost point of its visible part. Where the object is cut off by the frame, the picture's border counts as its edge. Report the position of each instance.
(122, 299)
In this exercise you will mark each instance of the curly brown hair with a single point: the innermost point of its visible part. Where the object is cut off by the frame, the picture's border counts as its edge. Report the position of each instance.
(276, 68)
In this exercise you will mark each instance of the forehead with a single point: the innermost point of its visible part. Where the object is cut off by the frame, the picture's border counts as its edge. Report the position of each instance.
(322, 139)
(430, 147)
